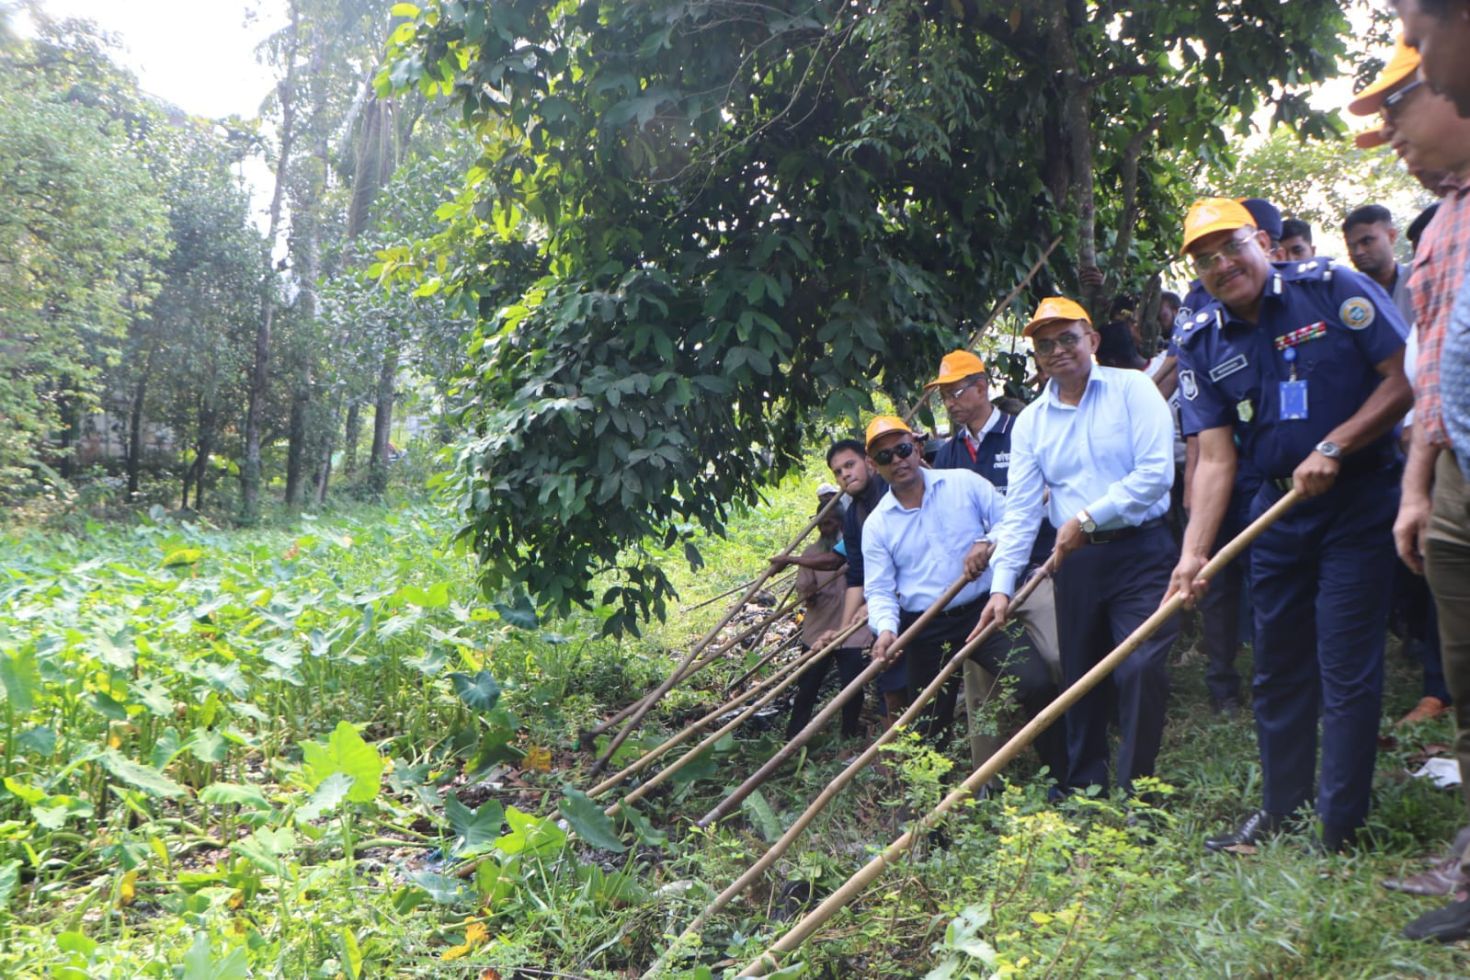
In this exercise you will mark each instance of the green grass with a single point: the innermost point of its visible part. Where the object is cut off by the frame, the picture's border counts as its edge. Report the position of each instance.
(182, 797)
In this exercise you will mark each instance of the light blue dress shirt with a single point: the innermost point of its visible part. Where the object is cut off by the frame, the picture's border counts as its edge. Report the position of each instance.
(910, 556)
(1111, 454)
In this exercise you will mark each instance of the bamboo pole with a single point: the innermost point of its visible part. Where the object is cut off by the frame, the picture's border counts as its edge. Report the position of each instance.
(637, 716)
(873, 669)
(638, 792)
(844, 778)
(648, 758)
(760, 664)
(713, 599)
(636, 712)
(1048, 716)
(692, 669)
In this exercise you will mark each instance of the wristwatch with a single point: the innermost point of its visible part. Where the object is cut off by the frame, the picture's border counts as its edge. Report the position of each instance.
(1084, 519)
(1329, 449)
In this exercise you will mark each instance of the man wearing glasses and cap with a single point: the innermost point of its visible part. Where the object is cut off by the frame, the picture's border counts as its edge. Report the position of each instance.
(1303, 365)
(926, 533)
(1101, 440)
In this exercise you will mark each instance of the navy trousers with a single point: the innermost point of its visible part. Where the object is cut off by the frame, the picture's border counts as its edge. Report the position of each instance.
(1321, 581)
(850, 662)
(1004, 657)
(1104, 592)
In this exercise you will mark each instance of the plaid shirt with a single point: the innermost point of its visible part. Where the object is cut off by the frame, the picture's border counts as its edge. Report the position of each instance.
(1439, 269)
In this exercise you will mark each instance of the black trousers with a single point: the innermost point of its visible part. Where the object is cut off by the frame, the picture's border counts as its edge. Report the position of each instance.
(1005, 657)
(1104, 592)
(850, 662)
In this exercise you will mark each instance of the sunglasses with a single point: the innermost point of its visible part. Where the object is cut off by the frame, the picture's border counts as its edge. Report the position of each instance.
(1392, 102)
(885, 456)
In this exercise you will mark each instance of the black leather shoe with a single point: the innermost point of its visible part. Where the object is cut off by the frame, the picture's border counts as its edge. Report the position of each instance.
(1446, 924)
(1256, 828)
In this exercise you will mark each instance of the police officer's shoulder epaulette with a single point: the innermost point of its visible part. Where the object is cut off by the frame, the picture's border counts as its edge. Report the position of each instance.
(1312, 270)
(1188, 332)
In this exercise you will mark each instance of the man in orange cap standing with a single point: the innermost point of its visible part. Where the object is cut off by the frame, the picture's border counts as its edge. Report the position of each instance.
(926, 533)
(980, 441)
(1101, 441)
(1302, 365)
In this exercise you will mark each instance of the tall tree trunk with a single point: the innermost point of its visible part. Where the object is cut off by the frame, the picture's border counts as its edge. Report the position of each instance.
(1076, 95)
(135, 422)
(351, 436)
(250, 475)
(203, 451)
(383, 421)
(296, 444)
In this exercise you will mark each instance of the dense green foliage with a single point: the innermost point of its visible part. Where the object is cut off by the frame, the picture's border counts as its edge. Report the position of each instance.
(232, 753)
(754, 216)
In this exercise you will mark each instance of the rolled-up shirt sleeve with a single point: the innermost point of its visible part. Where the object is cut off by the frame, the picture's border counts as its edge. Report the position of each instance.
(880, 580)
(1151, 426)
(1020, 515)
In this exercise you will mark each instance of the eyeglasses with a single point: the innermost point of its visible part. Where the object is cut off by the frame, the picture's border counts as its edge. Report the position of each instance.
(1065, 341)
(954, 393)
(1206, 261)
(885, 456)
(1392, 102)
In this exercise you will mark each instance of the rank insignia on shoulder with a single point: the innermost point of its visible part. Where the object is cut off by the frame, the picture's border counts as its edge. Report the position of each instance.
(1245, 410)
(1187, 385)
(1357, 313)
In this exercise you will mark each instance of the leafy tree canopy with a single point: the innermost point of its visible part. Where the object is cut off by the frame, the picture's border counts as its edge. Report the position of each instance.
(752, 214)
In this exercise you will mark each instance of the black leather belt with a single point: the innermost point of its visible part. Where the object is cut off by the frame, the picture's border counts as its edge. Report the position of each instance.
(1120, 533)
(971, 608)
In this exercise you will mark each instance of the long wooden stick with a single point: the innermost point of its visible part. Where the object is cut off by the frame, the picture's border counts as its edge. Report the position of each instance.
(717, 598)
(873, 669)
(668, 771)
(690, 670)
(1048, 716)
(841, 781)
(764, 687)
(761, 664)
(637, 717)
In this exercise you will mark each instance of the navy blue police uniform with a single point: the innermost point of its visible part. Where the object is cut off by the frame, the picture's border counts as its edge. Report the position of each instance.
(1221, 610)
(1317, 575)
(992, 460)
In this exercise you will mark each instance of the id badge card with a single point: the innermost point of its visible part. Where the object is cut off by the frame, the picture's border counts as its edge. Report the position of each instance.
(1293, 400)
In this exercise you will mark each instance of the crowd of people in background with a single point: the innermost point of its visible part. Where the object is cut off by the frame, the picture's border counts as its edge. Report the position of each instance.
(1344, 385)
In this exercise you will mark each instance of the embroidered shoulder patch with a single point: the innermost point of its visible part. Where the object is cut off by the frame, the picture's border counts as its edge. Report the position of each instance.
(1357, 313)
(1187, 385)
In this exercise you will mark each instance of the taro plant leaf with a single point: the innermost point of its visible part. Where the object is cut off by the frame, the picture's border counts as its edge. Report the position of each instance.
(265, 848)
(443, 889)
(9, 882)
(207, 746)
(522, 614)
(643, 828)
(530, 834)
(220, 794)
(326, 797)
(142, 777)
(20, 679)
(478, 691)
(763, 816)
(475, 830)
(200, 963)
(344, 752)
(587, 819)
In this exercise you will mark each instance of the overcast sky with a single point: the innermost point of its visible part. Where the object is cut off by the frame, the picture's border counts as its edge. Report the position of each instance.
(197, 54)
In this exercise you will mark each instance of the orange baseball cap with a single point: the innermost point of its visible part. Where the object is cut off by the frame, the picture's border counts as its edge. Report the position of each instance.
(882, 425)
(957, 366)
(1055, 308)
(1402, 66)
(1211, 214)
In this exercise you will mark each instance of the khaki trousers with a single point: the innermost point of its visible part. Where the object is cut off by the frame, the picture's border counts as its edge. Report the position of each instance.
(1447, 566)
(1038, 615)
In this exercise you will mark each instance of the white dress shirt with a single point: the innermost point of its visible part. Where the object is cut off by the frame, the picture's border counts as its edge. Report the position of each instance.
(911, 555)
(1111, 454)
